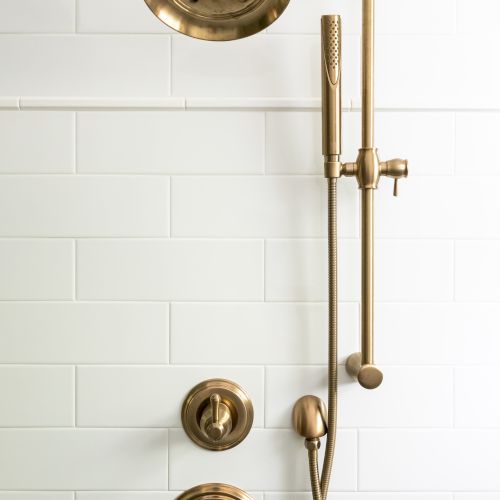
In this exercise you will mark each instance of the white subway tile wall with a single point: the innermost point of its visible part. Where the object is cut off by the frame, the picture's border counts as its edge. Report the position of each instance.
(116, 16)
(48, 137)
(33, 16)
(280, 469)
(89, 66)
(162, 221)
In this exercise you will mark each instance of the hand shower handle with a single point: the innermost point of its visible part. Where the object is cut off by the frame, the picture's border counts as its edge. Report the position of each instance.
(331, 65)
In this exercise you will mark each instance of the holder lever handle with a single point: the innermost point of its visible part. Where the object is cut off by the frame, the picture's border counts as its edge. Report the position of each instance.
(396, 169)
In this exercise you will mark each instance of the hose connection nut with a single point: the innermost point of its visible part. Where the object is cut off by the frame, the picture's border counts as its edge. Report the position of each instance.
(333, 167)
(313, 444)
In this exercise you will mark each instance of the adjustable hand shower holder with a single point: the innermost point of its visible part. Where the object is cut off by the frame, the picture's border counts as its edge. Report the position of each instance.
(367, 169)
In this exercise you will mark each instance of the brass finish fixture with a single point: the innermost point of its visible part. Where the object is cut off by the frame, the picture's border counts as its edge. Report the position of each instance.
(217, 414)
(368, 169)
(309, 417)
(368, 375)
(218, 20)
(214, 491)
(331, 67)
(308, 413)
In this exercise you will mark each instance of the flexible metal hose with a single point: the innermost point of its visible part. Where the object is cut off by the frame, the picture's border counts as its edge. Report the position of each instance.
(332, 337)
(314, 473)
(332, 354)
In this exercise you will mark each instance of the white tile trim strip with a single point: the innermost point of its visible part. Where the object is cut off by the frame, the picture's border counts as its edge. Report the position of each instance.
(30, 103)
(9, 103)
(94, 103)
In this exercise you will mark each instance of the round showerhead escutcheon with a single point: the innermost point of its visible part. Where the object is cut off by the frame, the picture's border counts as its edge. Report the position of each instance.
(214, 491)
(218, 20)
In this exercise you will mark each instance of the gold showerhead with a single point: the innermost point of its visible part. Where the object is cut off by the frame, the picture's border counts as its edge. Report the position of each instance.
(218, 19)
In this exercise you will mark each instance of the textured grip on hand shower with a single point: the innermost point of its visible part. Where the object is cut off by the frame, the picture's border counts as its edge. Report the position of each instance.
(331, 51)
(331, 40)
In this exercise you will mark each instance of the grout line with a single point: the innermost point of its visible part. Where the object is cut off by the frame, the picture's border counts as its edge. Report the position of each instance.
(239, 239)
(264, 395)
(264, 270)
(228, 175)
(75, 407)
(454, 270)
(397, 430)
(249, 239)
(171, 68)
(454, 397)
(454, 153)
(358, 458)
(170, 206)
(300, 303)
(75, 145)
(168, 356)
(121, 300)
(167, 451)
(243, 366)
(75, 273)
(266, 131)
(76, 6)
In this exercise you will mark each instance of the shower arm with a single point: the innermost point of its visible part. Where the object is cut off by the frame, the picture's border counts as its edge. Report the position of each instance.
(367, 169)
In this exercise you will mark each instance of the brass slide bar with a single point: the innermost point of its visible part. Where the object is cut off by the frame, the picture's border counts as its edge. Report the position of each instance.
(368, 169)
(367, 75)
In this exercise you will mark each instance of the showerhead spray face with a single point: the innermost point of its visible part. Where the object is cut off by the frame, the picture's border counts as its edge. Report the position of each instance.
(331, 70)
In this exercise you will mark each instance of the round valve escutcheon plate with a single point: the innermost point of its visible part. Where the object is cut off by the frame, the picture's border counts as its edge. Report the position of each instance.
(235, 411)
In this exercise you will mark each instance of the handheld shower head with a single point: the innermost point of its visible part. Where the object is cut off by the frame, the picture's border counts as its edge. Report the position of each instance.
(331, 69)
(218, 19)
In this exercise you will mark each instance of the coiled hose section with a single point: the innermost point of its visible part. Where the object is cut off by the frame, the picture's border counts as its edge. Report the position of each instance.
(320, 488)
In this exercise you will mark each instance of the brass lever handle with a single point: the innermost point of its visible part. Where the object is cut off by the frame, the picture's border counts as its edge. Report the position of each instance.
(215, 403)
(215, 429)
(218, 421)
